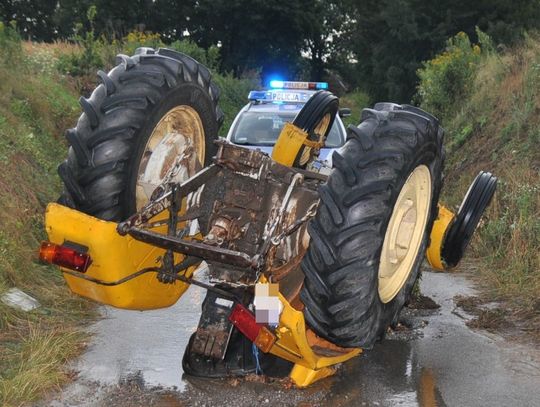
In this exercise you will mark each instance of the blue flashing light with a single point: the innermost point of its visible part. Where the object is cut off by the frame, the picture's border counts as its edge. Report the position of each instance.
(321, 85)
(275, 84)
(257, 95)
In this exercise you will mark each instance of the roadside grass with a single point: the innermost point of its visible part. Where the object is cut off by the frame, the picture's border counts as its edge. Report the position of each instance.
(36, 105)
(34, 366)
(496, 129)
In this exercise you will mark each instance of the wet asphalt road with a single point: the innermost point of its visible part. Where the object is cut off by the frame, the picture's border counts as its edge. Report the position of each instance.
(135, 360)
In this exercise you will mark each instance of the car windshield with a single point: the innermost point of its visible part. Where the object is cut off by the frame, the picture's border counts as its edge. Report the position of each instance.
(263, 128)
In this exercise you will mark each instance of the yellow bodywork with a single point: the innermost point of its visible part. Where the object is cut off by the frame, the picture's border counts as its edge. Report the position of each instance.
(113, 257)
(292, 345)
(438, 234)
(289, 143)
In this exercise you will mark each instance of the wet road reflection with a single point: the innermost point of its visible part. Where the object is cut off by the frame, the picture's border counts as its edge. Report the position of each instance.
(444, 364)
(148, 345)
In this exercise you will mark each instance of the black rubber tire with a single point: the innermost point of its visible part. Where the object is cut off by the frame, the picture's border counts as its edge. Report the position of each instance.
(307, 119)
(340, 291)
(472, 208)
(107, 144)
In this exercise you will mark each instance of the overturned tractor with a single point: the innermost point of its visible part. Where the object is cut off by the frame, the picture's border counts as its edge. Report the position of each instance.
(150, 193)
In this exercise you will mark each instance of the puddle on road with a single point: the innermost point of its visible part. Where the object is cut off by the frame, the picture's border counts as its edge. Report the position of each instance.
(447, 364)
(148, 345)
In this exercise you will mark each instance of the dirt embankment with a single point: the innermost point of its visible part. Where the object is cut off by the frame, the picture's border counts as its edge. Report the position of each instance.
(496, 129)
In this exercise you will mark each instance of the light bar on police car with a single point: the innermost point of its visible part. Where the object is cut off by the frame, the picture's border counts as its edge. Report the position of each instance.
(275, 84)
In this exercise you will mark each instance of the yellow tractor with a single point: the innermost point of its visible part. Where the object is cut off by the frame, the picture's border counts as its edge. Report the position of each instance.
(151, 192)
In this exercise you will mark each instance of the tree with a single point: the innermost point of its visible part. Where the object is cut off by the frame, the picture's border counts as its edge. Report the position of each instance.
(34, 19)
(253, 34)
(390, 38)
(323, 43)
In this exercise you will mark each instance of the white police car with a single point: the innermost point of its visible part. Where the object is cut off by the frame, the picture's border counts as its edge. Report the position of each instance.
(259, 123)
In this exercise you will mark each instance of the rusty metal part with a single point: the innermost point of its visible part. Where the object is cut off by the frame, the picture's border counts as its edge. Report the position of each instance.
(215, 328)
(278, 273)
(293, 227)
(162, 203)
(297, 178)
(251, 210)
(211, 341)
(322, 347)
(192, 248)
(167, 273)
(311, 174)
(224, 228)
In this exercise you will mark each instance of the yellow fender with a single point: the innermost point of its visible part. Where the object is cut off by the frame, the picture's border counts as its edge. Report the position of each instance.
(292, 345)
(113, 257)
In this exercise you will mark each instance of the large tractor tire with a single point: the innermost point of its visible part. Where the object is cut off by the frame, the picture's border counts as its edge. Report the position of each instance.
(371, 229)
(152, 110)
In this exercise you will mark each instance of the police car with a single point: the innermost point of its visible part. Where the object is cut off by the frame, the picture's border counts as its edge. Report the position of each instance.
(259, 123)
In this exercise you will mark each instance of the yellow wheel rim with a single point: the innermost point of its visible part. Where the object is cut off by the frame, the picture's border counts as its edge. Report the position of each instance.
(405, 233)
(174, 151)
(322, 126)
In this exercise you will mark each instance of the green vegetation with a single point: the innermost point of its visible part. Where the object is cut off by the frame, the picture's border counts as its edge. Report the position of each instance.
(356, 101)
(493, 107)
(34, 109)
(447, 79)
(375, 46)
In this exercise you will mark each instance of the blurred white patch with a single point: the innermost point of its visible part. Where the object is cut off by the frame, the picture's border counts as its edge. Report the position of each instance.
(17, 299)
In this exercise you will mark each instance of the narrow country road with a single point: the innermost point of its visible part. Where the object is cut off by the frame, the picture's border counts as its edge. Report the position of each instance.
(134, 359)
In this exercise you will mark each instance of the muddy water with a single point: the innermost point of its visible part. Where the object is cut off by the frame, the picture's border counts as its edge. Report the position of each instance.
(440, 362)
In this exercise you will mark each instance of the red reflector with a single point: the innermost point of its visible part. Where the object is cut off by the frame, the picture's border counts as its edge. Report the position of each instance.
(64, 257)
(244, 320)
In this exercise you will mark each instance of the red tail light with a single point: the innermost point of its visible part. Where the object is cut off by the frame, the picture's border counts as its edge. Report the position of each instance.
(245, 321)
(64, 257)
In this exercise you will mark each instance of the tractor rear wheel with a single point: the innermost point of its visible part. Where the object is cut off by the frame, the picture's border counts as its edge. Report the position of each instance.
(153, 118)
(372, 226)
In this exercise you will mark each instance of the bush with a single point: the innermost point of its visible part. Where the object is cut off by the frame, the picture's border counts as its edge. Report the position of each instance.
(446, 79)
(209, 57)
(234, 94)
(89, 58)
(356, 101)
(10, 44)
(136, 39)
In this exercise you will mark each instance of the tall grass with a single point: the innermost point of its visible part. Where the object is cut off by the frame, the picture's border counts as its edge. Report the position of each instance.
(36, 363)
(36, 105)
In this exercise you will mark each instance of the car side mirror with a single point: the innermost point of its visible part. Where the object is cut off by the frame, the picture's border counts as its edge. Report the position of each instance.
(344, 112)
